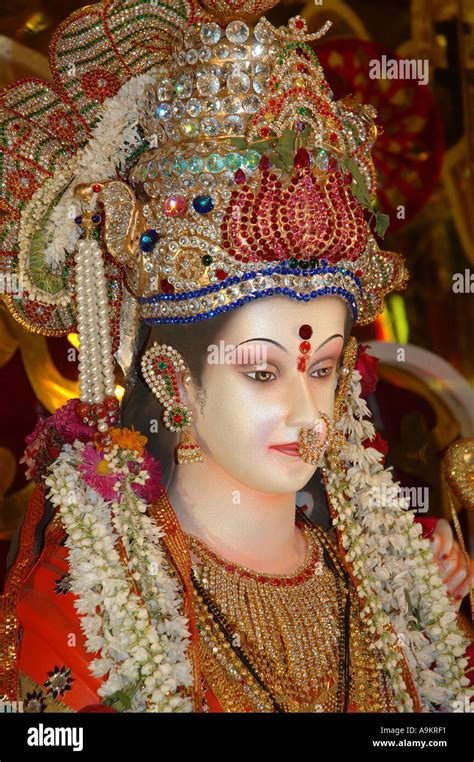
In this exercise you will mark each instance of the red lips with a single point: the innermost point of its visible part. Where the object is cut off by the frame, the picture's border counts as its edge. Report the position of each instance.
(289, 449)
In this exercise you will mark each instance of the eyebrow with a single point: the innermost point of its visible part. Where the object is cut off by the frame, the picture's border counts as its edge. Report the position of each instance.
(270, 341)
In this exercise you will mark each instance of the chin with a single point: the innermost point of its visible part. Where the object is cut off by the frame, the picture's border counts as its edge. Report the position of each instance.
(267, 482)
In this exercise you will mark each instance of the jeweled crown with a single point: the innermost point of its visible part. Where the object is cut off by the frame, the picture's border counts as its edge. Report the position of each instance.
(249, 187)
(203, 157)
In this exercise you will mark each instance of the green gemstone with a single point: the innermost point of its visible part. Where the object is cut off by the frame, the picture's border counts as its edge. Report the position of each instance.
(162, 365)
(293, 262)
(195, 164)
(251, 159)
(233, 161)
(214, 163)
(179, 165)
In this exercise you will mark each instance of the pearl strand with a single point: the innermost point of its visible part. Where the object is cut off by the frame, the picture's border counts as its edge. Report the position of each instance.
(96, 370)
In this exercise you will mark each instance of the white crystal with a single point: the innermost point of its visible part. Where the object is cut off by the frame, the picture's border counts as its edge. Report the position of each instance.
(212, 105)
(204, 54)
(184, 86)
(194, 107)
(251, 103)
(210, 126)
(260, 83)
(222, 50)
(233, 124)
(189, 127)
(210, 33)
(237, 31)
(231, 104)
(238, 82)
(263, 33)
(165, 90)
(207, 83)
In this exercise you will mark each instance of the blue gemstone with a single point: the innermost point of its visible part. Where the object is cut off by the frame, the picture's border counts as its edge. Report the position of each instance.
(203, 204)
(148, 240)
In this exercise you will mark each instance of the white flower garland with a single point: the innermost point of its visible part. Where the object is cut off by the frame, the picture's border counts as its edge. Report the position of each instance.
(113, 138)
(398, 576)
(139, 631)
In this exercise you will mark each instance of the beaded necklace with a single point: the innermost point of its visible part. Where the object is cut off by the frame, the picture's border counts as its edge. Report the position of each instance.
(290, 631)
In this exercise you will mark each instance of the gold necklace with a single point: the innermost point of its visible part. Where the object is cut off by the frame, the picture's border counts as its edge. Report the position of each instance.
(289, 629)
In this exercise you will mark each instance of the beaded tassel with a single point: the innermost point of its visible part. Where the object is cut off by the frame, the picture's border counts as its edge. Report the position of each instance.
(96, 369)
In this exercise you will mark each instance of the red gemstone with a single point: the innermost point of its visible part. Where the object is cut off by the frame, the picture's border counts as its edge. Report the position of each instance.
(299, 23)
(301, 158)
(221, 274)
(96, 188)
(305, 346)
(177, 418)
(301, 364)
(264, 163)
(239, 177)
(111, 403)
(166, 286)
(305, 331)
(99, 410)
(264, 132)
(82, 409)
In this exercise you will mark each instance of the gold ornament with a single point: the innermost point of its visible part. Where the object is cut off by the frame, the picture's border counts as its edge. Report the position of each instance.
(458, 472)
(310, 448)
(161, 364)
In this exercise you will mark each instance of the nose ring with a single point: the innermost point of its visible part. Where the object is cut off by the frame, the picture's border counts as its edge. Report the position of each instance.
(311, 450)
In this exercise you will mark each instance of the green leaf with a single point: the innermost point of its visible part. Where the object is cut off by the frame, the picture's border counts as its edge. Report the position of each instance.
(361, 194)
(382, 221)
(120, 701)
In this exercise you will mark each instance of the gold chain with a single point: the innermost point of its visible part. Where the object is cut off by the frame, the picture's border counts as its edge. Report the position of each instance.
(292, 632)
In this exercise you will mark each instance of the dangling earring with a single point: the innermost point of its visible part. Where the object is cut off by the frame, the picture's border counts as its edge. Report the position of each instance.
(311, 450)
(161, 365)
(349, 360)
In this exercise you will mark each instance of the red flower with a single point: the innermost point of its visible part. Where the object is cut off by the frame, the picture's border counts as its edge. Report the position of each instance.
(378, 444)
(428, 524)
(367, 365)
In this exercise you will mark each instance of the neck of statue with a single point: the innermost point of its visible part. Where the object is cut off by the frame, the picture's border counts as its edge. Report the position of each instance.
(246, 526)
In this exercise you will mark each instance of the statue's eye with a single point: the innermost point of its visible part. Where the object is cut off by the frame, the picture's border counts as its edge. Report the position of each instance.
(322, 372)
(263, 375)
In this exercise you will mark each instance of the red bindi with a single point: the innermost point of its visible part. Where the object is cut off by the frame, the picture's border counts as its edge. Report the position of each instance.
(305, 333)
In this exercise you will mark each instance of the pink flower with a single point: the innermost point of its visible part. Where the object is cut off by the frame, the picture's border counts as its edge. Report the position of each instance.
(97, 474)
(367, 365)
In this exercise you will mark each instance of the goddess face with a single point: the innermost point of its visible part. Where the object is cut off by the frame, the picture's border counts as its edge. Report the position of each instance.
(271, 371)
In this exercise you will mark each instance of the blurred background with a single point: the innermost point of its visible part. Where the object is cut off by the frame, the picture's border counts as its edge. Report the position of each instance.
(424, 400)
